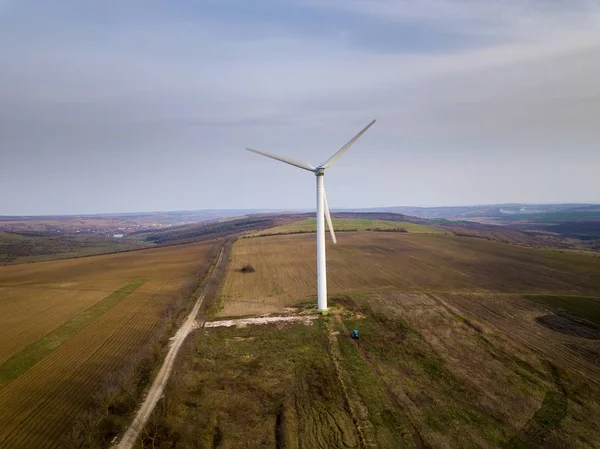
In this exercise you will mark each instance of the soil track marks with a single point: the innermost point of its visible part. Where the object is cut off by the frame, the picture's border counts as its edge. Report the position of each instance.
(456, 329)
(393, 402)
(359, 423)
(257, 386)
(518, 317)
(547, 418)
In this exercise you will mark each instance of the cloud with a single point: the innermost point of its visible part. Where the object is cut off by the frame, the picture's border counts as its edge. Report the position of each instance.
(166, 86)
(509, 19)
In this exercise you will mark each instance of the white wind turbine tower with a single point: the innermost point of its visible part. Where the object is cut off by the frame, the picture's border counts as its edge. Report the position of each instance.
(322, 210)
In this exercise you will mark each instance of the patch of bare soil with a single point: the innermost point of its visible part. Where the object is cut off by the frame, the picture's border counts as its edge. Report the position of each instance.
(248, 307)
(570, 325)
(243, 322)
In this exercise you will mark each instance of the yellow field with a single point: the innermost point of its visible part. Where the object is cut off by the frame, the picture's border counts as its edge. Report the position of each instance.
(38, 301)
(376, 261)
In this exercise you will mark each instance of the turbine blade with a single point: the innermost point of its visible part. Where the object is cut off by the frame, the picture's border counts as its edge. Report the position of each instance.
(342, 150)
(293, 162)
(328, 217)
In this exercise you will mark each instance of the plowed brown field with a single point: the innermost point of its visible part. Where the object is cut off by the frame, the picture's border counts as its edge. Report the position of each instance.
(376, 261)
(39, 407)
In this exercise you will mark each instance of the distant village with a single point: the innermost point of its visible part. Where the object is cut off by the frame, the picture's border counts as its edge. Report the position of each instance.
(115, 228)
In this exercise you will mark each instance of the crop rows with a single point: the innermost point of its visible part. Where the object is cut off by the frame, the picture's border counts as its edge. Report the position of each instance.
(66, 378)
(38, 408)
(35, 313)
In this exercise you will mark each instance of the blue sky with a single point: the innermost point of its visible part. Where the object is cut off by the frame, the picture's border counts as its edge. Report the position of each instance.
(115, 106)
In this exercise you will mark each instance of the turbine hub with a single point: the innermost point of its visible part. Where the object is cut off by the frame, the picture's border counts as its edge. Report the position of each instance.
(319, 171)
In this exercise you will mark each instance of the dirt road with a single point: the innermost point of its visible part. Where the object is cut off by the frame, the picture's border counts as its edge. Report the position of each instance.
(131, 434)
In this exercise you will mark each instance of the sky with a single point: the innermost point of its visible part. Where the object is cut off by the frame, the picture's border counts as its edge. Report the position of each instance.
(147, 105)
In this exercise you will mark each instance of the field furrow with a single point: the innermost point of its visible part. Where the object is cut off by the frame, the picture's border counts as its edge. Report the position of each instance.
(38, 408)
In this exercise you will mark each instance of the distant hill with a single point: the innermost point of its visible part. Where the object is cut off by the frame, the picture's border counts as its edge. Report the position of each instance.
(563, 225)
(490, 211)
(174, 218)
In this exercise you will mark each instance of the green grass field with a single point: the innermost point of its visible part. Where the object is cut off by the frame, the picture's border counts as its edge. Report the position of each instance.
(582, 307)
(255, 387)
(351, 224)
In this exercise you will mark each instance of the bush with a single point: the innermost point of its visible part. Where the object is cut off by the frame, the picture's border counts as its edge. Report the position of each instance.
(247, 269)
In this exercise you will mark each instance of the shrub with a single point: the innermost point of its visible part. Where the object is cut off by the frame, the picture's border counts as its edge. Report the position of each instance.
(247, 269)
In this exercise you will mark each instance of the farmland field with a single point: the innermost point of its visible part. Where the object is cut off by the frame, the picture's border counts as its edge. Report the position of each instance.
(67, 326)
(464, 343)
(29, 247)
(374, 261)
(350, 224)
(251, 387)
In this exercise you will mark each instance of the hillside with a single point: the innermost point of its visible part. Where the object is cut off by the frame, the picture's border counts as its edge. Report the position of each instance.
(464, 342)
(188, 233)
(26, 247)
(349, 224)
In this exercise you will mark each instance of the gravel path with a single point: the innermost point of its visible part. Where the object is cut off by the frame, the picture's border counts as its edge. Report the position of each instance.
(130, 436)
(242, 322)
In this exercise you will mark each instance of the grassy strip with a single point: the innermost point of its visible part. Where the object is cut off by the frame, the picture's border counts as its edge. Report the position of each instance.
(32, 354)
(404, 361)
(351, 224)
(387, 430)
(260, 386)
(581, 306)
(119, 395)
(213, 301)
(549, 416)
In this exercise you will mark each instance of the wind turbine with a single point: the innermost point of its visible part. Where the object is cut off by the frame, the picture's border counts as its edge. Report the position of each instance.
(322, 210)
